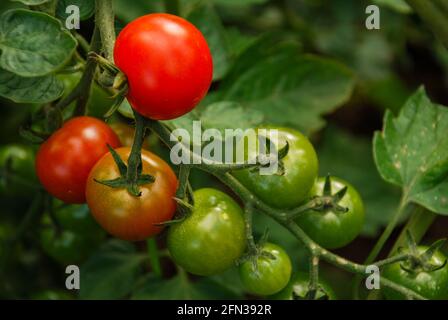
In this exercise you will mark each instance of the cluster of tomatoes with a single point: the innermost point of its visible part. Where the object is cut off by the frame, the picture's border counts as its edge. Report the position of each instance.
(164, 83)
(169, 69)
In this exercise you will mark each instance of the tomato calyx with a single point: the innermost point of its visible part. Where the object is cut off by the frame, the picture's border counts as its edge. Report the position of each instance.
(329, 201)
(125, 181)
(112, 79)
(266, 160)
(255, 252)
(319, 294)
(131, 176)
(421, 262)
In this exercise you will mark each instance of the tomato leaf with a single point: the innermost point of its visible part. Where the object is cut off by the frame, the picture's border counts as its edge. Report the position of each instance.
(229, 115)
(33, 43)
(86, 8)
(29, 90)
(205, 18)
(289, 88)
(344, 155)
(412, 152)
(111, 273)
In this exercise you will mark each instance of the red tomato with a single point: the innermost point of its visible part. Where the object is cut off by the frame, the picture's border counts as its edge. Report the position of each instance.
(168, 65)
(123, 215)
(64, 161)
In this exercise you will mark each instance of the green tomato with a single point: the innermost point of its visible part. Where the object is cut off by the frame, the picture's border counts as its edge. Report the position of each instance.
(212, 237)
(329, 228)
(300, 171)
(431, 285)
(298, 286)
(271, 276)
(18, 177)
(99, 101)
(79, 236)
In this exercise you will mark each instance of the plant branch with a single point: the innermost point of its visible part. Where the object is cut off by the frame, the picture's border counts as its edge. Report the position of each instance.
(313, 285)
(419, 222)
(381, 241)
(135, 157)
(388, 231)
(154, 257)
(104, 20)
(82, 42)
(248, 213)
(82, 89)
(284, 219)
(184, 174)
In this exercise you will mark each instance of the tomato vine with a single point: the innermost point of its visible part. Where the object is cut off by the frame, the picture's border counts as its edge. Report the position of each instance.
(99, 68)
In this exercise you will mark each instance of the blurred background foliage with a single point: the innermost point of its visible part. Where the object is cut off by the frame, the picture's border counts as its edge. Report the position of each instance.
(309, 64)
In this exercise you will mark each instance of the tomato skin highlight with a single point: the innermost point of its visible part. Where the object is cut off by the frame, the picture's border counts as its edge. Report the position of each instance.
(167, 62)
(123, 215)
(64, 161)
(212, 238)
(273, 274)
(431, 285)
(301, 169)
(331, 229)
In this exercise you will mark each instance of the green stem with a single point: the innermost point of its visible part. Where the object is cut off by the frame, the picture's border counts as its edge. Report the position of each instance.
(82, 42)
(184, 173)
(418, 224)
(433, 17)
(314, 248)
(172, 6)
(105, 20)
(165, 135)
(387, 232)
(154, 258)
(381, 241)
(314, 277)
(135, 157)
(248, 213)
(391, 260)
(82, 89)
(284, 219)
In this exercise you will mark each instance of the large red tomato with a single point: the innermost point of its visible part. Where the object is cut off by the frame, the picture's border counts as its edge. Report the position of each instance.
(167, 62)
(123, 215)
(64, 161)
